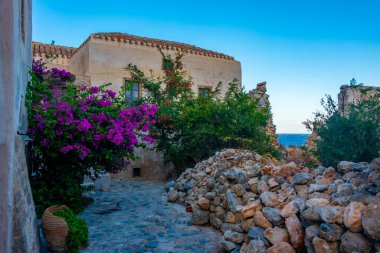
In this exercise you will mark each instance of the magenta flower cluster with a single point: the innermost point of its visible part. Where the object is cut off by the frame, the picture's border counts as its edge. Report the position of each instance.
(90, 124)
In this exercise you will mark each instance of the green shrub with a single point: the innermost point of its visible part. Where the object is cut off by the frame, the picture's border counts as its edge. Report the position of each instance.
(78, 230)
(190, 128)
(352, 136)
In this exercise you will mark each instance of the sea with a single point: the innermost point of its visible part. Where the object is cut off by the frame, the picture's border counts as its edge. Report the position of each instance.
(292, 139)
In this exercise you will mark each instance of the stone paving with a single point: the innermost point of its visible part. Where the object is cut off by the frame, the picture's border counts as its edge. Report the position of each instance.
(136, 217)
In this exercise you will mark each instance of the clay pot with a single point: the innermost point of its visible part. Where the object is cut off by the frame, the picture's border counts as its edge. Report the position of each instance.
(55, 229)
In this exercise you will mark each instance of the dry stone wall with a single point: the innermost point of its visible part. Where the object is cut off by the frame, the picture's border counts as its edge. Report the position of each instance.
(263, 205)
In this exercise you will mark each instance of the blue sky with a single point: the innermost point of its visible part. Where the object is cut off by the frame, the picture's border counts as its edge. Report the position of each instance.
(302, 49)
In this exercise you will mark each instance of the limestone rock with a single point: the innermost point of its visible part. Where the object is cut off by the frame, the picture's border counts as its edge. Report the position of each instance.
(353, 216)
(256, 233)
(289, 209)
(200, 217)
(330, 232)
(269, 199)
(170, 184)
(330, 174)
(232, 201)
(281, 247)
(375, 164)
(261, 221)
(247, 224)
(317, 187)
(322, 180)
(371, 221)
(204, 203)
(189, 185)
(230, 217)
(302, 178)
(311, 232)
(250, 210)
(295, 230)
(302, 191)
(321, 246)
(227, 246)
(254, 246)
(354, 242)
(262, 186)
(210, 183)
(317, 202)
(172, 195)
(229, 226)
(276, 235)
(331, 214)
(273, 215)
(233, 236)
(344, 190)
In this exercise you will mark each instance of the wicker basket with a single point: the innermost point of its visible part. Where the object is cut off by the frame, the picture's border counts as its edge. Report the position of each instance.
(55, 229)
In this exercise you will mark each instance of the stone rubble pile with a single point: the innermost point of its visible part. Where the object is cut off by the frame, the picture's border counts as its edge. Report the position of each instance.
(262, 205)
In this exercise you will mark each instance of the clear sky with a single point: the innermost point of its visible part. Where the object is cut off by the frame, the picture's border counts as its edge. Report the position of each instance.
(303, 49)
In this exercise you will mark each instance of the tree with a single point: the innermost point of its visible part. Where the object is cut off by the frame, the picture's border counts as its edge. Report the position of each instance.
(191, 128)
(354, 136)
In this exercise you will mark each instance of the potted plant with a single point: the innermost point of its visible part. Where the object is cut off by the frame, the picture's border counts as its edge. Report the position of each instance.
(64, 230)
(55, 229)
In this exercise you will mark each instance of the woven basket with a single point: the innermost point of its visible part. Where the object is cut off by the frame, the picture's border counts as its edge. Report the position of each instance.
(55, 229)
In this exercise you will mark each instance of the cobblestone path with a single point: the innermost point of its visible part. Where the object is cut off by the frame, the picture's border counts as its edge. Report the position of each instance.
(136, 217)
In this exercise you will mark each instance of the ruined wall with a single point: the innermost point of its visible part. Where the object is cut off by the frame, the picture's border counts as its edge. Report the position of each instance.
(260, 94)
(18, 230)
(350, 94)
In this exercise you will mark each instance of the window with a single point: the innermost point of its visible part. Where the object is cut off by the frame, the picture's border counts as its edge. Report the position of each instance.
(136, 172)
(204, 92)
(132, 89)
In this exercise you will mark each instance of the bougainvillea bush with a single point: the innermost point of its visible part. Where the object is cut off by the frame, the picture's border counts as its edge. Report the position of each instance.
(77, 128)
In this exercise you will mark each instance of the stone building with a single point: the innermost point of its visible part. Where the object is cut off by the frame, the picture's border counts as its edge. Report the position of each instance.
(18, 223)
(102, 57)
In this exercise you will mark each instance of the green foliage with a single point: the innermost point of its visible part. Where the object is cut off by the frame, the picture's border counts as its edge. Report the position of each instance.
(78, 230)
(191, 128)
(353, 135)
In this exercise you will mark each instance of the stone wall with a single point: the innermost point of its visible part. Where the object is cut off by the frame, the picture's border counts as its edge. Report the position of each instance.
(18, 231)
(260, 94)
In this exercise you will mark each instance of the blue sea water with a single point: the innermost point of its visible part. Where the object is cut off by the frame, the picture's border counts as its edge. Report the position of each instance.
(292, 139)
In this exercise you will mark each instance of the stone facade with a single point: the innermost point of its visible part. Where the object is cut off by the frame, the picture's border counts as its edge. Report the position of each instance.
(103, 57)
(18, 229)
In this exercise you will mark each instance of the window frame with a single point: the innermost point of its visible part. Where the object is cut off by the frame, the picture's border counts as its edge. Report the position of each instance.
(208, 88)
(125, 80)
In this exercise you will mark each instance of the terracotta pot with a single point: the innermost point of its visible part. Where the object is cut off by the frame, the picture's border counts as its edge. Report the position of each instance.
(55, 229)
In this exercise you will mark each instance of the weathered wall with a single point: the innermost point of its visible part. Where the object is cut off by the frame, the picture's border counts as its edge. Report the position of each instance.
(350, 94)
(151, 165)
(79, 64)
(17, 216)
(107, 60)
(57, 62)
(260, 94)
